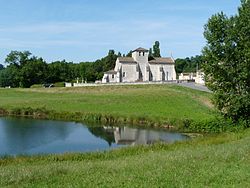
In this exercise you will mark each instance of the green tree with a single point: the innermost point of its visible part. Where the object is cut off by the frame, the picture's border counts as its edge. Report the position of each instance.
(188, 64)
(33, 72)
(129, 54)
(23, 70)
(150, 54)
(227, 66)
(1, 67)
(17, 58)
(156, 49)
(10, 76)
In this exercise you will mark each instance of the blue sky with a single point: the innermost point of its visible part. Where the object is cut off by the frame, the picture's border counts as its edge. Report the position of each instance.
(84, 30)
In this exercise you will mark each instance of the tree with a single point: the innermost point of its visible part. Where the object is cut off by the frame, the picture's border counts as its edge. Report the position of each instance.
(150, 54)
(1, 67)
(156, 49)
(227, 67)
(129, 54)
(17, 58)
(109, 60)
(10, 76)
(33, 72)
(188, 64)
(23, 70)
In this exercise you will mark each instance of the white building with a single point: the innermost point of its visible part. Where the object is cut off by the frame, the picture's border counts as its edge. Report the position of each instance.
(197, 77)
(139, 69)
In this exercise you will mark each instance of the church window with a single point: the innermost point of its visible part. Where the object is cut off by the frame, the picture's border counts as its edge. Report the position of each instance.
(143, 53)
(161, 69)
(123, 74)
(113, 76)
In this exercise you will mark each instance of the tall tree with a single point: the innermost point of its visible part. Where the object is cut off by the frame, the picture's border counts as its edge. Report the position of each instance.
(227, 66)
(129, 54)
(33, 72)
(150, 54)
(156, 49)
(10, 76)
(23, 70)
(17, 58)
(1, 67)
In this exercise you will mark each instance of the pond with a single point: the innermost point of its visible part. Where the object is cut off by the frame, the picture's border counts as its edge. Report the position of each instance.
(29, 136)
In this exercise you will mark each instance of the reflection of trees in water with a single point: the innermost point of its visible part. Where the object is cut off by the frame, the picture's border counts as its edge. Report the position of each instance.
(105, 134)
(25, 134)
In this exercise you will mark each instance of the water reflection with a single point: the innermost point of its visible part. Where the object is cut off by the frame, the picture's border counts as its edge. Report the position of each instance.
(136, 136)
(27, 136)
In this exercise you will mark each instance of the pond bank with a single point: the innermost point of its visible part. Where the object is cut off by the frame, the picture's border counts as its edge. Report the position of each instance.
(215, 125)
(106, 119)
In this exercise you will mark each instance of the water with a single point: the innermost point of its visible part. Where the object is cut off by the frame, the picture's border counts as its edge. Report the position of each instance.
(28, 136)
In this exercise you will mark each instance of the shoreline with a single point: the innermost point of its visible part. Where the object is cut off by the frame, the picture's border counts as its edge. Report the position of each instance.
(188, 126)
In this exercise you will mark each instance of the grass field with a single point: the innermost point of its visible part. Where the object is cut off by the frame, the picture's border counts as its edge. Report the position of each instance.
(221, 160)
(214, 161)
(154, 103)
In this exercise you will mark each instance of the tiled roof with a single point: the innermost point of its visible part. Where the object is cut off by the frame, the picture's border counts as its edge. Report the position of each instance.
(110, 72)
(162, 60)
(140, 50)
(126, 60)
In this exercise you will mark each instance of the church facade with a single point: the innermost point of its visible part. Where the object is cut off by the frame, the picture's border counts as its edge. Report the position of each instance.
(139, 68)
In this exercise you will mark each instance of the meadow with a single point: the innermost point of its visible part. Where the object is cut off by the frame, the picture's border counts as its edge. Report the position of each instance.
(214, 160)
(141, 104)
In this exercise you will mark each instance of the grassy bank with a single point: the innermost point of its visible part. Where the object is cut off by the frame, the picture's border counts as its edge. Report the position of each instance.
(151, 104)
(215, 161)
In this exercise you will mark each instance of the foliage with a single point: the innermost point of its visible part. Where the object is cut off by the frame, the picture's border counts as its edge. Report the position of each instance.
(228, 62)
(1, 67)
(24, 71)
(188, 64)
(156, 49)
(18, 58)
(129, 53)
(9, 76)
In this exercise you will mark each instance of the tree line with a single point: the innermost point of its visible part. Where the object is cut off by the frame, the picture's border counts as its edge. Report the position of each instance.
(24, 70)
(189, 64)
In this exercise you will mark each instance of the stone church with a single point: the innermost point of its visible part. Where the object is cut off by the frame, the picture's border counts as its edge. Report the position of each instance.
(139, 68)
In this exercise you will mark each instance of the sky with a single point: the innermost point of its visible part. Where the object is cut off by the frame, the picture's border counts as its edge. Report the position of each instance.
(85, 30)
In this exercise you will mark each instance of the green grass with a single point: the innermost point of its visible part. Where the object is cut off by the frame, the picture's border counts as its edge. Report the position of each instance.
(215, 161)
(155, 103)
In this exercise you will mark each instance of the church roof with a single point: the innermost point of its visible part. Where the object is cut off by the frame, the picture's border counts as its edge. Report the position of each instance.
(126, 60)
(110, 72)
(162, 60)
(140, 49)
